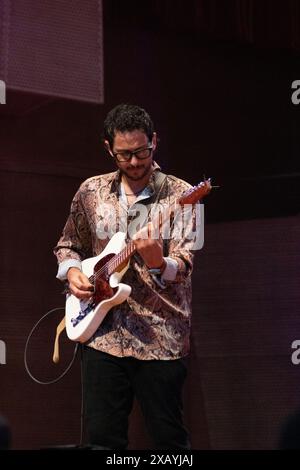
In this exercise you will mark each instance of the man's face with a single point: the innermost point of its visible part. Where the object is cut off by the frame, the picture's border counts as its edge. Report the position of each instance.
(135, 168)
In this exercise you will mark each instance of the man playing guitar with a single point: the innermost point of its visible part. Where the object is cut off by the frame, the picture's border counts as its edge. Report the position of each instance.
(138, 347)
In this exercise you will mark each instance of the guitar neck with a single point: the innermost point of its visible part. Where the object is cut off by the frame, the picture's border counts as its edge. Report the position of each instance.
(121, 258)
(191, 196)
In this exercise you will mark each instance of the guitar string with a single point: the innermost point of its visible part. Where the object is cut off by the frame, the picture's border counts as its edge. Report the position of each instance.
(110, 264)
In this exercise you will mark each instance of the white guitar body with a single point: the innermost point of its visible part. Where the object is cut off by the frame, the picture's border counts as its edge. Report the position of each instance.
(83, 318)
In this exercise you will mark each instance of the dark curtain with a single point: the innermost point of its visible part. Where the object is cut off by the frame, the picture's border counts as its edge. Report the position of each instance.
(265, 23)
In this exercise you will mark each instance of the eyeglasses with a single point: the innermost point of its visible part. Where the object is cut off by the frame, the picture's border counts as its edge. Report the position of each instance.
(140, 154)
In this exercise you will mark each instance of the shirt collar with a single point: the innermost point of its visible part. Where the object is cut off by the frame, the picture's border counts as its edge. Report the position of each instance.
(115, 184)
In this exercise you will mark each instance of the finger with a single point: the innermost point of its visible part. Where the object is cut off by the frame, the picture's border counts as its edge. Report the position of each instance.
(85, 286)
(141, 234)
(80, 294)
(83, 283)
(84, 295)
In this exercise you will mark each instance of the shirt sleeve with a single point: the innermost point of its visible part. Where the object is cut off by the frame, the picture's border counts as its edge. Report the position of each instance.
(64, 267)
(185, 237)
(170, 271)
(74, 244)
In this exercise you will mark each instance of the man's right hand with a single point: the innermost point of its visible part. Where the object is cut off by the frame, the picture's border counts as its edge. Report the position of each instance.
(79, 285)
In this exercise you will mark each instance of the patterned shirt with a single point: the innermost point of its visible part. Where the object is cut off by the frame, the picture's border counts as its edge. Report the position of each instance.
(154, 321)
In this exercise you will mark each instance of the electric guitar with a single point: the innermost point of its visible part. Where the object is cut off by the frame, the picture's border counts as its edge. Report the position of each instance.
(105, 271)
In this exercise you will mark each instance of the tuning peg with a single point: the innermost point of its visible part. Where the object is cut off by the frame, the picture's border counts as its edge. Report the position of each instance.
(209, 180)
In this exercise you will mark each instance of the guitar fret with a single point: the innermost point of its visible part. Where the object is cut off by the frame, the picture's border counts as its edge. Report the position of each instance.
(190, 196)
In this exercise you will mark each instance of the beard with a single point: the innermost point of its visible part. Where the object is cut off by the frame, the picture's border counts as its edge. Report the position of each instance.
(136, 173)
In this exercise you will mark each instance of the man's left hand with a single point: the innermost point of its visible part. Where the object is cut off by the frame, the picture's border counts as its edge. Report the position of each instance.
(149, 246)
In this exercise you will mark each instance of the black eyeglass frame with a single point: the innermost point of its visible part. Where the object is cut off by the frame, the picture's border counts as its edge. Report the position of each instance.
(131, 153)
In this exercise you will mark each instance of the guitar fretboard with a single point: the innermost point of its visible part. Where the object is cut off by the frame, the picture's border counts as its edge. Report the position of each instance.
(121, 258)
(190, 196)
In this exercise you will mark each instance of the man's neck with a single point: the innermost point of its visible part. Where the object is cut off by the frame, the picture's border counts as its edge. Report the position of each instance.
(133, 186)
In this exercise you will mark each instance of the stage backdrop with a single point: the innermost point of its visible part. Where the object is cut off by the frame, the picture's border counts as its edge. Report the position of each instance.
(221, 106)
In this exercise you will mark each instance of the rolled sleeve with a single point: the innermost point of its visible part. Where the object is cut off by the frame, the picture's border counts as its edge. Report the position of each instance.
(64, 267)
(75, 243)
(171, 269)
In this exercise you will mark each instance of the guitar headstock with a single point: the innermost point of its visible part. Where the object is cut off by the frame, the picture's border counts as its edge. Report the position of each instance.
(196, 193)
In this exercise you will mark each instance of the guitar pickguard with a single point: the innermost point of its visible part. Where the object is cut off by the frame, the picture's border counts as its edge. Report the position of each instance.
(103, 290)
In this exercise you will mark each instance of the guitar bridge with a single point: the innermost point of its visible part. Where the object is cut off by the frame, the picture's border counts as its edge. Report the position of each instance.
(83, 313)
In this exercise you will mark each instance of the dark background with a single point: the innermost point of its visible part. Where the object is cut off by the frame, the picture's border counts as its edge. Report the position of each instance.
(216, 78)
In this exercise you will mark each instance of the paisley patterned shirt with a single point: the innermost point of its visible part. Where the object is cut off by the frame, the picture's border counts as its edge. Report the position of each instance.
(154, 322)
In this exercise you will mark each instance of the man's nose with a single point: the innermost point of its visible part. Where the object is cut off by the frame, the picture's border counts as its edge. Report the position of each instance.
(134, 160)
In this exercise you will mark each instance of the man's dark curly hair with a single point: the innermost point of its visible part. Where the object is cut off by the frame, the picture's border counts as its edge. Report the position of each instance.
(127, 118)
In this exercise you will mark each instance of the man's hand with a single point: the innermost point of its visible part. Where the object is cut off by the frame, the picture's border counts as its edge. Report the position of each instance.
(79, 284)
(149, 248)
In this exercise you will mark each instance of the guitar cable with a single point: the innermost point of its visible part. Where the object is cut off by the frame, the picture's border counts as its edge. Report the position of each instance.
(49, 382)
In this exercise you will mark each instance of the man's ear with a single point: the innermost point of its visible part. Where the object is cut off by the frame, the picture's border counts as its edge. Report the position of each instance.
(154, 140)
(107, 146)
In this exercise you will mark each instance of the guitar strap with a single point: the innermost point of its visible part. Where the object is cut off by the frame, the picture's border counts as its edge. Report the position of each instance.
(150, 203)
(159, 183)
(160, 180)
